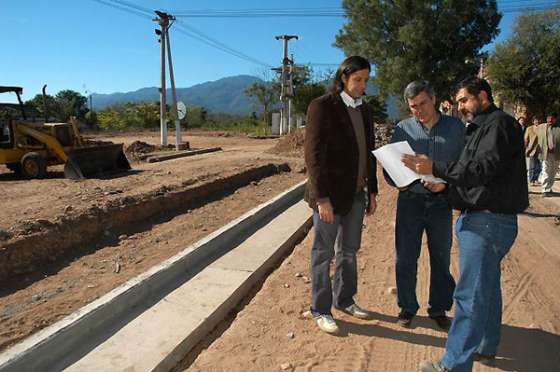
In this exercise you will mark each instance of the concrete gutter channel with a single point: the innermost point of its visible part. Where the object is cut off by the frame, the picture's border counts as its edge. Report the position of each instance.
(153, 320)
(179, 154)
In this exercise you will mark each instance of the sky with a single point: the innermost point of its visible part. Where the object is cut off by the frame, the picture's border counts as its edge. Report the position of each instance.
(88, 46)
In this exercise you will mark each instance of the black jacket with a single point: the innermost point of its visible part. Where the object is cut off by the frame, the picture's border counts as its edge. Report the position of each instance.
(491, 173)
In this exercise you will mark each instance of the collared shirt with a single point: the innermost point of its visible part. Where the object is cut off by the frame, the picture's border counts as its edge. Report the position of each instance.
(443, 142)
(349, 101)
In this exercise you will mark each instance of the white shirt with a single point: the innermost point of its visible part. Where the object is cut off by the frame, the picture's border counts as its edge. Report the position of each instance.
(349, 101)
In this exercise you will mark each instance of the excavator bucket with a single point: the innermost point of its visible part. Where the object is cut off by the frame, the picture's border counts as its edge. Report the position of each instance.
(95, 161)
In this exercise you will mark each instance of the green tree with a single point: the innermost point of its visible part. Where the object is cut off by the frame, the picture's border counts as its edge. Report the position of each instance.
(436, 40)
(91, 119)
(146, 114)
(70, 103)
(196, 116)
(378, 108)
(111, 119)
(37, 104)
(265, 94)
(526, 67)
(306, 88)
(304, 94)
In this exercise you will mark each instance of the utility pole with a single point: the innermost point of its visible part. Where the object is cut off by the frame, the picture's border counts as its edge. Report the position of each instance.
(163, 21)
(286, 92)
(291, 84)
(173, 92)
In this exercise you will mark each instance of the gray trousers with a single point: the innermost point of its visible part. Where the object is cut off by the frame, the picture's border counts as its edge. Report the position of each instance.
(346, 231)
(548, 174)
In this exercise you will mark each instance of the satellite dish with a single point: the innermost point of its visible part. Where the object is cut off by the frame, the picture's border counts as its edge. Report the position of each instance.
(181, 110)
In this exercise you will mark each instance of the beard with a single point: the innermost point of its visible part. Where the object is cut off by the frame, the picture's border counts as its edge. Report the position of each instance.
(469, 115)
(466, 116)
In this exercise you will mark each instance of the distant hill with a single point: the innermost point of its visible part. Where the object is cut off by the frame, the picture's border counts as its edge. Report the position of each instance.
(223, 95)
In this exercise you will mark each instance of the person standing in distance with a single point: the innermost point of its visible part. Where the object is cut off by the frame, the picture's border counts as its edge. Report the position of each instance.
(489, 185)
(341, 187)
(548, 136)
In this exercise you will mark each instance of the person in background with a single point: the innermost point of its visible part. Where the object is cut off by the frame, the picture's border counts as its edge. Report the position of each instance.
(522, 120)
(423, 207)
(341, 187)
(548, 135)
(489, 185)
(532, 151)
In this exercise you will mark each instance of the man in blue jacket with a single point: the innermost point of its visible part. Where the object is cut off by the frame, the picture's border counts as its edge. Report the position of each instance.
(489, 185)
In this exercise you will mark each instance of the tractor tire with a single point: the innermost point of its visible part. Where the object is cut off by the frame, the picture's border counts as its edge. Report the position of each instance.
(14, 167)
(33, 165)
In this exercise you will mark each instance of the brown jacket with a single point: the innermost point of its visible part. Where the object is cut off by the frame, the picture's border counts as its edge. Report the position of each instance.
(331, 153)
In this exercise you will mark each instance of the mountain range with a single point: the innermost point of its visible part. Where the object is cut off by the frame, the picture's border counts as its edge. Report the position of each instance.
(225, 95)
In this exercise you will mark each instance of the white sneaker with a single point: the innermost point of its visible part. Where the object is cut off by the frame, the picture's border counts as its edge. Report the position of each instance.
(326, 323)
(355, 311)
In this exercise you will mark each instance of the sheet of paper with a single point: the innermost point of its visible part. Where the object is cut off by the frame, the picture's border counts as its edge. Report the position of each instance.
(390, 157)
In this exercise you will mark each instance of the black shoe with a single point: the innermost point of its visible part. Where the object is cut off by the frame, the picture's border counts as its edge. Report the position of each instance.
(442, 321)
(487, 360)
(405, 319)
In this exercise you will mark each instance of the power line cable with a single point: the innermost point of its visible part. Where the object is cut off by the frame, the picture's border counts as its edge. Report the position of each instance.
(123, 8)
(200, 36)
(182, 28)
(133, 6)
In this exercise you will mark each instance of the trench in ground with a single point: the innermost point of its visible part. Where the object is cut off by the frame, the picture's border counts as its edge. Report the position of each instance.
(130, 245)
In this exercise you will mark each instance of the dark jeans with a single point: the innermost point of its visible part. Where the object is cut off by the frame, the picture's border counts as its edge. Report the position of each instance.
(417, 213)
(346, 231)
(484, 240)
(535, 168)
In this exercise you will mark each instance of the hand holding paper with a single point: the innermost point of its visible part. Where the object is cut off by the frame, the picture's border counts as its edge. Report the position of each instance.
(391, 158)
(421, 164)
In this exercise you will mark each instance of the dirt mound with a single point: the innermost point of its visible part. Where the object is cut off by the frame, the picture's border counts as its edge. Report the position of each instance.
(291, 144)
(138, 148)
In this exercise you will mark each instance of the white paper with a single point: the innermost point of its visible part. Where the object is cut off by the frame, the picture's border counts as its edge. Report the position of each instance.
(390, 157)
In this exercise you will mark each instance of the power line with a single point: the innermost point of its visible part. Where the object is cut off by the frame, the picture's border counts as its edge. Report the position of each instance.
(111, 4)
(183, 29)
(200, 36)
(506, 6)
(134, 6)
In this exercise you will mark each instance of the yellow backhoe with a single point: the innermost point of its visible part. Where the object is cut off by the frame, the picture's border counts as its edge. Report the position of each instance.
(28, 147)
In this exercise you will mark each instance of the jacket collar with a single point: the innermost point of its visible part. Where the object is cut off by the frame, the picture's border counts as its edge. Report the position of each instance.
(480, 119)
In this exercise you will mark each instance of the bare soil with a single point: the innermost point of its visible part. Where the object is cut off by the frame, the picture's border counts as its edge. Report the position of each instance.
(69, 242)
(274, 332)
(271, 330)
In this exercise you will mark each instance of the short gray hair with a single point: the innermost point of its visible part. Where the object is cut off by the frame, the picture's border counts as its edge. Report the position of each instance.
(416, 87)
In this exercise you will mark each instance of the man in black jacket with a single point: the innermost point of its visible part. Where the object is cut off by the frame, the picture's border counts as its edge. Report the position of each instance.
(488, 184)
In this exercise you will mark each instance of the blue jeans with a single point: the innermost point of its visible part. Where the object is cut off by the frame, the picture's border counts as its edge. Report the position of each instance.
(484, 240)
(417, 213)
(535, 168)
(346, 231)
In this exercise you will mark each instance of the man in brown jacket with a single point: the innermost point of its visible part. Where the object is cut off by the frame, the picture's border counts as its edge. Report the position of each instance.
(341, 187)
(548, 135)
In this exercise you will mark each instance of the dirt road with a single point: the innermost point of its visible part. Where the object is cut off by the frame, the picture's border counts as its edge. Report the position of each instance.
(274, 333)
(70, 242)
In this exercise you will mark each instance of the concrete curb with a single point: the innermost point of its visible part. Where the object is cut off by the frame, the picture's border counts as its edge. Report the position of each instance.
(180, 154)
(65, 342)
